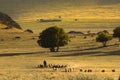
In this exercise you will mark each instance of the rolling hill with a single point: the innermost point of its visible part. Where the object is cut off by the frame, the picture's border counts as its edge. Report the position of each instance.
(30, 10)
(6, 22)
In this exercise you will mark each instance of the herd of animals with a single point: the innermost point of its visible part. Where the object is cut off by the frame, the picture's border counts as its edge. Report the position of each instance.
(66, 68)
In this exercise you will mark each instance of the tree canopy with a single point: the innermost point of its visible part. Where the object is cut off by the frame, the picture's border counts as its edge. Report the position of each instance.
(116, 32)
(53, 38)
(103, 37)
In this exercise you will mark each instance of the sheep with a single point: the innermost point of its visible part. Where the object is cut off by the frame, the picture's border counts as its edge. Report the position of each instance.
(55, 68)
(45, 65)
(40, 66)
(85, 37)
(113, 70)
(85, 70)
(71, 69)
(116, 45)
(68, 69)
(58, 66)
(89, 70)
(62, 66)
(81, 70)
(65, 66)
(50, 65)
(103, 71)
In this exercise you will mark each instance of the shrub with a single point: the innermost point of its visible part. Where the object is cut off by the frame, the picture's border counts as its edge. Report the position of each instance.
(104, 38)
(17, 37)
(116, 32)
(29, 31)
(75, 32)
(105, 31)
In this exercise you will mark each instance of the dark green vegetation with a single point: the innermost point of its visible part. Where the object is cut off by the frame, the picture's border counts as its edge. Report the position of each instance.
(103, 37)
(52, 38)
(7, 20)
(49, 20)
(117, 33)
(28, 30)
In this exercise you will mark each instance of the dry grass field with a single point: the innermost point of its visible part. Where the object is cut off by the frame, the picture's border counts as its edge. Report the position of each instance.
(83, 25)
(20, 54)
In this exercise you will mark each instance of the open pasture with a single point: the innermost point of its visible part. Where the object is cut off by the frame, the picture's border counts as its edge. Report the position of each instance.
(83, 25)
(19, 58)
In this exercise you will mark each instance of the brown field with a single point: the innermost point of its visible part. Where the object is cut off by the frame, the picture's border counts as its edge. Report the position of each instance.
(19, 57)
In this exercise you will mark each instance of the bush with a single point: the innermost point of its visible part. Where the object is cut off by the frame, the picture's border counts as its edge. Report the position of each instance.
(116, 32)
(17, 37)
(50, 20)
(105, 31)
(103, 37)
(75, 32)
(29, 31)
(53, 38)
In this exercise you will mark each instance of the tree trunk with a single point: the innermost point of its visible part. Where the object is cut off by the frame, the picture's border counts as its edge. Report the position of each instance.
(104, 44)
(52, 49)
(57, 49)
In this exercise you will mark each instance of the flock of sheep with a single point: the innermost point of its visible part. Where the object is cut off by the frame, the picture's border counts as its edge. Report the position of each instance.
(67, 68)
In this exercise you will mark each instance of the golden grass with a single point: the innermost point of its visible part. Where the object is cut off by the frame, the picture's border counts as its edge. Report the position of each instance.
(19, 58)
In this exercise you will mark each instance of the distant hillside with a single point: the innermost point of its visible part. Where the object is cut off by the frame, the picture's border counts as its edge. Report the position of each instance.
(37, 9)
(8, 22)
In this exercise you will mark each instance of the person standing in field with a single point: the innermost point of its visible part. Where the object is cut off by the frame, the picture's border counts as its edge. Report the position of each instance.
(45, 63)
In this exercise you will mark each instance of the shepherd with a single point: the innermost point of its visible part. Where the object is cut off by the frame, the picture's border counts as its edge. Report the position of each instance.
(45, 63)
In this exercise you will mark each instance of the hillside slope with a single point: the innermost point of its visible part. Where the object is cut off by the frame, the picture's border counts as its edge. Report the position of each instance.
(29, 9)
(7, 22)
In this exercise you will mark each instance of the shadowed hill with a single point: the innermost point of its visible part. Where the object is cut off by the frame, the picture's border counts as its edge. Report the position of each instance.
(35, 9)
(8, 21)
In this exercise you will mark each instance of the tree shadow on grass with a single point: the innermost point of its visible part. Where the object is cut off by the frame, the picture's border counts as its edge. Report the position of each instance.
(77, 54)
(112, 53)
(95, 53)
(95, 48)
(18, 54)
